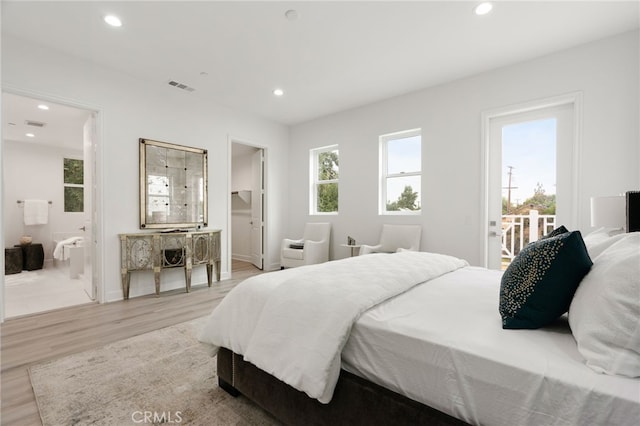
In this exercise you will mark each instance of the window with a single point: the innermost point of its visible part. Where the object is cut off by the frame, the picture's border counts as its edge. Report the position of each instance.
(324, 180)
(73, 185)
(400, 172)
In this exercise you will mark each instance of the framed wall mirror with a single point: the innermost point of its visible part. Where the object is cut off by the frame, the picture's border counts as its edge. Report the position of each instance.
(173, 185)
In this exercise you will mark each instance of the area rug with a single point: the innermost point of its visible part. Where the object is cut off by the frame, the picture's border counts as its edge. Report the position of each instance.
(162, 377)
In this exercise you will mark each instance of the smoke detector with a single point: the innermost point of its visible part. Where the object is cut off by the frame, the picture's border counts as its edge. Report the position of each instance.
(292, 14)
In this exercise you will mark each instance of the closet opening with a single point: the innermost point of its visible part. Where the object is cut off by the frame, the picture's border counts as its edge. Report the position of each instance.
(247, 205)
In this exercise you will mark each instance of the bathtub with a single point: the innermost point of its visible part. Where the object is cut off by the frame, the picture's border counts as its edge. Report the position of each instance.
(69, 252)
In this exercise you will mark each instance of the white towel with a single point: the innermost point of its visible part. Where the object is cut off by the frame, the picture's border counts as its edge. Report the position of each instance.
(36, 212)
(60, 253)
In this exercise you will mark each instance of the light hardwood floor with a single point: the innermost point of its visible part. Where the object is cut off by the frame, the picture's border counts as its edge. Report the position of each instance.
(37, 338)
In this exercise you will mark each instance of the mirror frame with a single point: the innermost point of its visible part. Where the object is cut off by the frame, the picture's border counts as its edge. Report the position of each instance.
(144, 185)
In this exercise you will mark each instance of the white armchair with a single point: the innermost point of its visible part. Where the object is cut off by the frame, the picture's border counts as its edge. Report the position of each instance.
(396, 238)
(315, 246)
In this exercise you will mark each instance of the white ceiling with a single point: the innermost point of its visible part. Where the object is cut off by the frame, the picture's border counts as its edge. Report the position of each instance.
(62, 124)
(335, 56)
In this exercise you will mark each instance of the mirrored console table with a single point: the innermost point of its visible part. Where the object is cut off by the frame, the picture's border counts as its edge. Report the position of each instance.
(161, 250)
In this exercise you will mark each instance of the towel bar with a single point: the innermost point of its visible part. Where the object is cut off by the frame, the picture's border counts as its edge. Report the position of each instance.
(22, 202)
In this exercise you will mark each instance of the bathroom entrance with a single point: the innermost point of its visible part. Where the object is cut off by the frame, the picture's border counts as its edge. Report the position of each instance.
(48, 156)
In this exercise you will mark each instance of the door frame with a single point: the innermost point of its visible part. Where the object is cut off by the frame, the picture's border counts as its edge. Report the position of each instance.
(575, 100)
(88, 154)
(265, 199)
(97, 195)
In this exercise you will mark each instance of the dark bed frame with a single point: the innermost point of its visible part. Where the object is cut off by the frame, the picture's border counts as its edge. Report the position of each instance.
(355, 401)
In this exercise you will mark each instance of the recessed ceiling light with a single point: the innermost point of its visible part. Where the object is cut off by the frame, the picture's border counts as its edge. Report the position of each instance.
(278, 92)
(483, 8)
(292, 14)
(43, 107)
(113, 20)
(30, 135)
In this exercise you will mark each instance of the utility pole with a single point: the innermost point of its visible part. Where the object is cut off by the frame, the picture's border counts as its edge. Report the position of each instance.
(509, 188)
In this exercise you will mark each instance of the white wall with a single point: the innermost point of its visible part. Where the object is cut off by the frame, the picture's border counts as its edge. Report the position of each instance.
(36, 171)
(606, 72)
(242, 174)
(130, 109)
(241, 229)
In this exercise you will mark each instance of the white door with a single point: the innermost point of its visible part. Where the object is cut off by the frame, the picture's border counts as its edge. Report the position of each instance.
(257, 208)
(89, 208)
(528, 154)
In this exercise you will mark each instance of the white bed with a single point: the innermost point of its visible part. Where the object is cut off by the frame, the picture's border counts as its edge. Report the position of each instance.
(477, 371)
(439, 342)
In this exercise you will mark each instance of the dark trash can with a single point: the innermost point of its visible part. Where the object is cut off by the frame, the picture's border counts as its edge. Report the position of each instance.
(13, 260)
(32, 256)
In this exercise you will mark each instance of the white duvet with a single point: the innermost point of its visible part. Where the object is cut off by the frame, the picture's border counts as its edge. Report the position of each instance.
(442, 344)
(294, 323)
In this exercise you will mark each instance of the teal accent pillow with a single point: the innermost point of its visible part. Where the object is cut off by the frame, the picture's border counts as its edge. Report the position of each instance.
(539, 284)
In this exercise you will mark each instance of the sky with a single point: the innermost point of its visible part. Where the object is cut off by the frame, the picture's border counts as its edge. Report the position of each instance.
(404, 156)
(530, 147)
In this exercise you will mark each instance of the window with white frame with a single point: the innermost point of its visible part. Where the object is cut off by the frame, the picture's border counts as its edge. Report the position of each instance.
(401, 172)
(73, 178)
(324, 180)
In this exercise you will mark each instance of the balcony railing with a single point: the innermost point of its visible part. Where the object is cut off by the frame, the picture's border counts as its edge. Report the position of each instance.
(520, 230)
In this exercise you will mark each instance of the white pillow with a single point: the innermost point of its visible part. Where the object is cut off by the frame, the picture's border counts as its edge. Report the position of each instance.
(605, 311)
(600, 239)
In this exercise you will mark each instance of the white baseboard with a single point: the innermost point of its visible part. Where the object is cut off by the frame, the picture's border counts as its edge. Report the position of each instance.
(241, 257)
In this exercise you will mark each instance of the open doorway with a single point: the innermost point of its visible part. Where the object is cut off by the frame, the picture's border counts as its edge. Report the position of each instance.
(48, 160)
(247, 204)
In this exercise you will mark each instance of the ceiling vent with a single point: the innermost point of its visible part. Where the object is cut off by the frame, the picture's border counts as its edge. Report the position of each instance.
(34, 123)
(181, 86)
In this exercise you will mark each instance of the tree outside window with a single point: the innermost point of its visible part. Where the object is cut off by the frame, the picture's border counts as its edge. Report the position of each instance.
(401, 172)
(325, 167)
(73, 185)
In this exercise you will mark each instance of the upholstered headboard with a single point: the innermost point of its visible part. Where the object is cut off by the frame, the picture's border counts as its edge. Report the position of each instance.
(633, 211)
